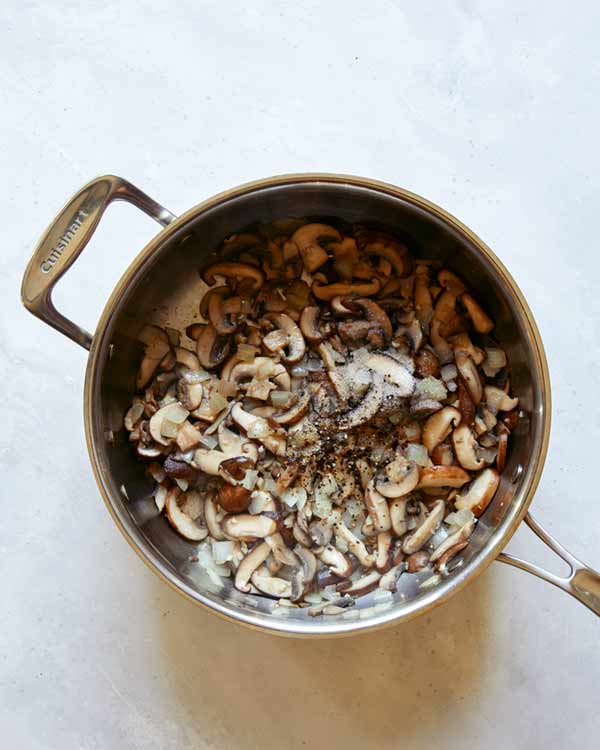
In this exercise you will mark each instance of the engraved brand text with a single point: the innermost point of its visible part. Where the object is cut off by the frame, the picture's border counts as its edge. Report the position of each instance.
(48, 263)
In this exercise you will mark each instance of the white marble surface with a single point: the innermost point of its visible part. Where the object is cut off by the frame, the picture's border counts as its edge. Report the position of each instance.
(490, 109)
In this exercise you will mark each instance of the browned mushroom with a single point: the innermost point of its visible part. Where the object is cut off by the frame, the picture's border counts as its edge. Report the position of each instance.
(379, 331)
(231, 269)
(480, 492)
(384, 245)
(481, 322)
(309, 240)
(211, 348)
(342, 289)
(288, 341)
(438, 426)
(223, 312)
(157, 345)
(442, 476)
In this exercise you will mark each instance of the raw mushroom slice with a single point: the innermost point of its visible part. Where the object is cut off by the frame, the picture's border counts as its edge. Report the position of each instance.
(362, 586)
(277, 588)
(480, 492)
(180, 520)
(253, 560)
(468, 370)
(425, 531)
(337, 562)
(438, 426)
(465, 446)
(378, 509)
(247, 527)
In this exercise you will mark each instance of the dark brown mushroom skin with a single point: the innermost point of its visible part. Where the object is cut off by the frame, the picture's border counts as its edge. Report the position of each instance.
(234, 499)
(449, 554)
(379, 332)
(427, 364)
(178, 469)
(417, 561)
(466, 405)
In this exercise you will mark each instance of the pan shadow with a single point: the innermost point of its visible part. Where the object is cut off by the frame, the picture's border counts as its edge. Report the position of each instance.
(242, 689)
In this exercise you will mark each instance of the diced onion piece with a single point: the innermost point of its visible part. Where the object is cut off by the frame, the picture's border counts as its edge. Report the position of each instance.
(322, 507)
(295, 497)
(281, 398)
(495, 360)
(247, 353)
(160, 495)
(431, 388)
(249, 480)
(227, 388)
(209, 441)
(216, 402)
(176, 414)
(222, 551)
(448, 372)
(259, 428)
(417, 453)
(431, 582)
(157, 472)
(183, 484)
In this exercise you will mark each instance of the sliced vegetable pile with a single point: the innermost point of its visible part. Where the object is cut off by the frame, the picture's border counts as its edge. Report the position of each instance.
(339, 420)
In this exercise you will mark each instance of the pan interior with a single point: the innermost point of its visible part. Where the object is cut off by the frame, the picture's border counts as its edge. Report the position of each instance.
(163, 286)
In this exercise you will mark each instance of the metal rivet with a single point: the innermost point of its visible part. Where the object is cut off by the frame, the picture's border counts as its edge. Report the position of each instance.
(516, 473)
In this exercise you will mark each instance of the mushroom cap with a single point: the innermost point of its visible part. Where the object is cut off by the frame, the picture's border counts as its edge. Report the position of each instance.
(183, 523)
(235, 270)
(442, 476)
(465, 444)
(438, 426)
(480, 492)
(294, 339)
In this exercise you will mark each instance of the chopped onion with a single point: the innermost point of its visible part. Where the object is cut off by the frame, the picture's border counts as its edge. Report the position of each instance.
(448, 372)
(157, 472)
(431, 388)
(295, 497)
(209, 441)
(382, 595)
(227, 388)
(247, 353)
(349, 614)
(313, 597)
(322, 507)
(183, 484)
(216, 402)
(259, 428)
(249, 480)
(177, 414)
(417, 453)
(458, 519)
(281, 398)
(259, 501)
(495, 360)
(169, 429)
(222, 551)
(451, 386)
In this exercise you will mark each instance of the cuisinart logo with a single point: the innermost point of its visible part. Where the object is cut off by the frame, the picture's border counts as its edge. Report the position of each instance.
(48, 263)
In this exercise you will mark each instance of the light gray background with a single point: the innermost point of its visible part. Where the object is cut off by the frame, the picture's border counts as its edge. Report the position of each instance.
(490, 109)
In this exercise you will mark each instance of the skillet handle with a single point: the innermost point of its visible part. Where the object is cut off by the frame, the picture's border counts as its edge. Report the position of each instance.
(64, 240)
(582, 582)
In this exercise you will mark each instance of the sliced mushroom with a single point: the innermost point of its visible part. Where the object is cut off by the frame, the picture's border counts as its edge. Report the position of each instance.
(212, 349)
(291, 338)
(480, 492)
(221, 311)
(173, 411)
(502, 451)
(465, 446)
(497, 400)
(392, 371)
(343, 289)
(234, 499)
(442, 476)
(398, 516)
(450, 281)
(383, 561)
(462, 343)
(366, 409)
(295, 412)
(405, 479)
(337, 562)
(379, 332)
(188, 437)
(231, 269)
(309, 324)
(187, 358)
(247, 527)
(281, 552)
(466, 405)
(422, 533)
(355, 545)
(384, 245)
(338, 308)
(213, 518)
(470, 374)
(438, 427)
(277, 588)
(260, 430)
(481, 322)
(457, 538)
(183, 523)
(253, 560)
(378, 509)
(308, 240)
(157, 345)
(449, 554)
(362, 586)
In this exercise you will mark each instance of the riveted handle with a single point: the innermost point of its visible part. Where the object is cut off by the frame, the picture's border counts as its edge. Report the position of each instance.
(64, 240)
(583, 582)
